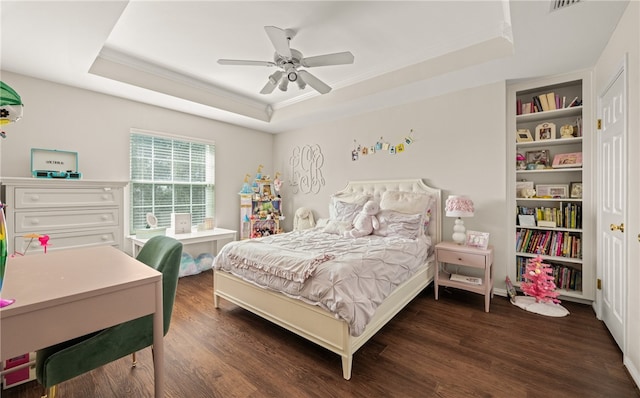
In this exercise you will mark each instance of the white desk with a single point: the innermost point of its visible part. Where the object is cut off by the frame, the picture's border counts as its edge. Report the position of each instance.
(212, 236)
(69, 293)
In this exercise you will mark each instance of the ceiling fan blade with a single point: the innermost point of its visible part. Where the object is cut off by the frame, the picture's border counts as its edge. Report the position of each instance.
(280, 40)
(314, 82)
(245, 63)
(272, 83)
(268, 88)
(328, 59)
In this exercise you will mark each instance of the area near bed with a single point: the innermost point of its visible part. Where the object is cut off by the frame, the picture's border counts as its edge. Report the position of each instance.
(332, 288)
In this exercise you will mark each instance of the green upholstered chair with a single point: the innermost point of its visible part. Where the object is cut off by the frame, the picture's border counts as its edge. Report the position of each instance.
(72, 358)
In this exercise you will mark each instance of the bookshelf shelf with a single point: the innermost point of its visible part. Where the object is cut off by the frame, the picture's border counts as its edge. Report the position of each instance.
(567, 247)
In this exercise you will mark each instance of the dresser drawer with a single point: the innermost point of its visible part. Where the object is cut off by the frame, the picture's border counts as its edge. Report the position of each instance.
(65, 219)
(70, 240)
(47, 198)
(470, 259)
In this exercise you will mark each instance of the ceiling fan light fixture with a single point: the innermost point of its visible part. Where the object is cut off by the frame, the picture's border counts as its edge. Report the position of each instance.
(283, 85)
(292, 74)
(301, 84)
(275, 77)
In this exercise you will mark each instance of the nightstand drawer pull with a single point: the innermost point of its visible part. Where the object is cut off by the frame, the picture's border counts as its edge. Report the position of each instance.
(474, 260)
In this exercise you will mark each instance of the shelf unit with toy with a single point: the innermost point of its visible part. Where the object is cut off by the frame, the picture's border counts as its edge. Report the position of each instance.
(260, 207)
(551, 181)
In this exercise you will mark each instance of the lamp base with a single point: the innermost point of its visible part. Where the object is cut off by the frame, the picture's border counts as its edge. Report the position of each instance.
(6, 302)
(459, 232)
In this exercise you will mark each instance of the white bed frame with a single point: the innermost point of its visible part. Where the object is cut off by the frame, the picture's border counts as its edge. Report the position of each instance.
(316, 324)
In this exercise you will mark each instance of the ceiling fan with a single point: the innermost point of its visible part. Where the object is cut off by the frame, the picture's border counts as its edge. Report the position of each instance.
(289, 61)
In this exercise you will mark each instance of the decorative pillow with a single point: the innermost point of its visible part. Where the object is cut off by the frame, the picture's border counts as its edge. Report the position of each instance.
(342, 211)
(406, 202)
(353, 197)
(344, 207)
(394, 223)
(337, 227)
(409, 203)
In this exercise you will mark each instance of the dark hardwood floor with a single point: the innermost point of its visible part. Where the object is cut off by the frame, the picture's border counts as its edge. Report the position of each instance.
(446, 348)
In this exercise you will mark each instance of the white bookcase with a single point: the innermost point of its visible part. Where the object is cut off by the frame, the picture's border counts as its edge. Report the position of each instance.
(566, 240)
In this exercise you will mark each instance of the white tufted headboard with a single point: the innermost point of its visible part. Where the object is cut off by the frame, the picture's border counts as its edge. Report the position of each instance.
(376, 188)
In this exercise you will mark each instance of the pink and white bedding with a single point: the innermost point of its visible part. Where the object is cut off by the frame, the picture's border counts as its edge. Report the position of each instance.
(347, 277)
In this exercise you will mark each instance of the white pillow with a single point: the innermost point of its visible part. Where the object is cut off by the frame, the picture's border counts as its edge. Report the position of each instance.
(406, 202)
(353, 197)
(394, 223)
(345, 206)
(337, 227)
(343, 211)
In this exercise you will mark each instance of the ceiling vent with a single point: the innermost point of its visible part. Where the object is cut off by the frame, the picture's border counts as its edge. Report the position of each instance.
(561, 4)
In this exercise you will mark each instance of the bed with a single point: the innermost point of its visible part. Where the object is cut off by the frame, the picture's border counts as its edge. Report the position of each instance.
(314, 321)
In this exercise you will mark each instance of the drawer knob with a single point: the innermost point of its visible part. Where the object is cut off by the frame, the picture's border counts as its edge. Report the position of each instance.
(105, 237)
(105, 197)
(35, 198)
(105, 217)
(35, 221)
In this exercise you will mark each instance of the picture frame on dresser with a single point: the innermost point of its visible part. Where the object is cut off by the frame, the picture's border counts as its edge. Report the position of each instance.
(477, 239)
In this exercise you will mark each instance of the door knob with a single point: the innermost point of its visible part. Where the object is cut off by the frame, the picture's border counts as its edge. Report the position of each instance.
(617, 227)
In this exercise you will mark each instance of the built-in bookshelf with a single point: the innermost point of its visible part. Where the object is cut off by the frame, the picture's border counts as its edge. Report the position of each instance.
(549, 146)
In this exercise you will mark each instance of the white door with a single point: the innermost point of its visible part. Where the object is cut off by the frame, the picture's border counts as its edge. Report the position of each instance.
(612, 204)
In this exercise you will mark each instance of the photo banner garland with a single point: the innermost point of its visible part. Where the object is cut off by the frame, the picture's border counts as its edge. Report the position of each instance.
(381, 146)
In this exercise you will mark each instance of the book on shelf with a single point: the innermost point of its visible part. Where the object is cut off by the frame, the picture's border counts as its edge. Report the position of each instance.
(565, 276)
(574, 102)
(567, 215)
(549, 243)
(543, 102)
(551, 101)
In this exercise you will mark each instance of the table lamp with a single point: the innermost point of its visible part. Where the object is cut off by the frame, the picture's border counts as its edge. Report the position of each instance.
(459, 206)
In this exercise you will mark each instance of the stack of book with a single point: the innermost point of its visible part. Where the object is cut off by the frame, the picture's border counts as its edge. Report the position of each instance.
(545, 102)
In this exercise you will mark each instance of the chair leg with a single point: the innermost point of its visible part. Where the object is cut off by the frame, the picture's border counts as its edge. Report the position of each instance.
(51, 392)
(134, 361)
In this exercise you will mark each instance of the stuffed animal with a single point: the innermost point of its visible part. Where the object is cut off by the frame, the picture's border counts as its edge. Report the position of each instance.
(303, 219)
(365, 221)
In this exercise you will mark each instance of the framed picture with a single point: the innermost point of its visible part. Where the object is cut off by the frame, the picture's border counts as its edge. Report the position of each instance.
(564, 160)
(545, 131)
(526, 220)
(576, 190)
(478, 239)
(538, 157)
(521, 187)
(266, 190)
(559, 191)
(523, 135)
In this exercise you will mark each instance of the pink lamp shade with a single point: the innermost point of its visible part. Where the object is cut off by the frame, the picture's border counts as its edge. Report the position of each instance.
(459, 206)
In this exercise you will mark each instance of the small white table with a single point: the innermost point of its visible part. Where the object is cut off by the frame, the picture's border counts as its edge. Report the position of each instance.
(212, 236)
(69, 293)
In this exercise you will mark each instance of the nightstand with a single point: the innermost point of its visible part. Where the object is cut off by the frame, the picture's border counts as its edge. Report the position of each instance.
(452, 253)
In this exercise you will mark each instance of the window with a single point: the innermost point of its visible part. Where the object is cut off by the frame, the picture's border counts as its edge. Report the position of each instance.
(170, 175)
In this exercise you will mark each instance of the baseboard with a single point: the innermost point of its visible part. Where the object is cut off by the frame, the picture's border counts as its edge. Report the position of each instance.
(632, 369)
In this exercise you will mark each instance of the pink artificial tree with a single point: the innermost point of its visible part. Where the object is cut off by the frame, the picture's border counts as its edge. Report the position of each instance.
(539, 281)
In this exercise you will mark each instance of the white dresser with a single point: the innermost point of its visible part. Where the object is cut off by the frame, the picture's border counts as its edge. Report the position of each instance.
(74, 213)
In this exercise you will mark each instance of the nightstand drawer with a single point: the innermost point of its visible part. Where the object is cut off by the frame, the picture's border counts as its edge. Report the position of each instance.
(473, 260)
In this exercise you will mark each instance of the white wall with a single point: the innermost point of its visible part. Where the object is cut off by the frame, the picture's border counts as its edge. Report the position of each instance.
(459, 147)
(97, 127)
(626, 41)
